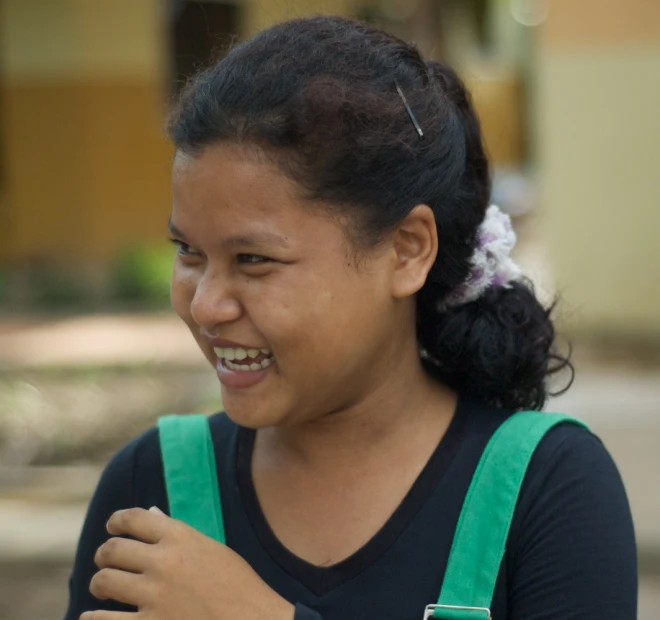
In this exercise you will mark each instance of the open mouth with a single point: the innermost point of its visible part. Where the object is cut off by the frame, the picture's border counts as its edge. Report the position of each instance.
(244, 360)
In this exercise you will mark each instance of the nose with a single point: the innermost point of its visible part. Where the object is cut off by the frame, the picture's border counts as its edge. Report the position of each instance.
(213, 303)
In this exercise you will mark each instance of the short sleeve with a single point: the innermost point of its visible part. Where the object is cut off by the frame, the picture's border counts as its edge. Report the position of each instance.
(305, 613)
(574, 557)
(114, 491)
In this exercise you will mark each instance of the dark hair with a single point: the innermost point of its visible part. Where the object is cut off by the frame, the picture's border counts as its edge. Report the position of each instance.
(318, 96)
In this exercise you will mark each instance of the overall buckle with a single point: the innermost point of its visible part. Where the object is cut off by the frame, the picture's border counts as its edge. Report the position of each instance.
(477, 613)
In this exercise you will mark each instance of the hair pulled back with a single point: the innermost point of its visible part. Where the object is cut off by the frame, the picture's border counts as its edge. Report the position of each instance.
(318, 96)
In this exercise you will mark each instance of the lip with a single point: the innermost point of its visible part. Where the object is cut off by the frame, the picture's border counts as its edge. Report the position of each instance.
(222, 342)
(240, 378)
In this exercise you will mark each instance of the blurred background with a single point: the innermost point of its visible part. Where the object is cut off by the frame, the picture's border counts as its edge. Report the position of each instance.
(90, 354)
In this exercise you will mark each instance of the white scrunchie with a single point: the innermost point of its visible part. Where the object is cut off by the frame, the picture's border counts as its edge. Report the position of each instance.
(492, 265)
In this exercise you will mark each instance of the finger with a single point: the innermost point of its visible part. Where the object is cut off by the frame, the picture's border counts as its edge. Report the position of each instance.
(107, 615)
(149, 527)
(125, 554)
(119, 586)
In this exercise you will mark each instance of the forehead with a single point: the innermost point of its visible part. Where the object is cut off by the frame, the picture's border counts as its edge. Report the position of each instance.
(230, 189)
(230, 174)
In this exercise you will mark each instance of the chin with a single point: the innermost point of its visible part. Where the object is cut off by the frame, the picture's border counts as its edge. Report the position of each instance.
(251, 416)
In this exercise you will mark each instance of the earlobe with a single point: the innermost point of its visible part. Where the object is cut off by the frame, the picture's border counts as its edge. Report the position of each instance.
(416, 247)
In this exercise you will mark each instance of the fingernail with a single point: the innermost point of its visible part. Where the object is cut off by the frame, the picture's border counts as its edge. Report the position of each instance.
(156, 509)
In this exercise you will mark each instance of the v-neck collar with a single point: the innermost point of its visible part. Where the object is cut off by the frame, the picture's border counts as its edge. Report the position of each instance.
(320, 579)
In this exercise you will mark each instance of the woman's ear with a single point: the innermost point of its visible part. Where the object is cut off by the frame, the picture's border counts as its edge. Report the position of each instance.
(416, 246)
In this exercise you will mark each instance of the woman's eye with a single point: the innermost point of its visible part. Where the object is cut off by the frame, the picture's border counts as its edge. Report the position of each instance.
(252, 259)
(183, 249)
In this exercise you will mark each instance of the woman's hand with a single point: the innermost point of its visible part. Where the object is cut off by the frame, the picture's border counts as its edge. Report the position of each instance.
(173, 572)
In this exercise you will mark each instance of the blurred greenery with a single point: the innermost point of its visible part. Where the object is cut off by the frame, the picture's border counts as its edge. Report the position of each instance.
(4, 286)
(54, 287)
(141, 274)
(137, 278)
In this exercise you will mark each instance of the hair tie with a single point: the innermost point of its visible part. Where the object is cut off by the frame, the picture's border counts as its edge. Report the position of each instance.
(492, 265)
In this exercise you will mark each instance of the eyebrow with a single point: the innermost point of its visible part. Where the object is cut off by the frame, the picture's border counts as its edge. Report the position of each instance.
(174, 230)
(256, 239)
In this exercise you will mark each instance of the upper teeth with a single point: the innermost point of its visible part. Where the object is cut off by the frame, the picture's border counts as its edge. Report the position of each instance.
(237, 353)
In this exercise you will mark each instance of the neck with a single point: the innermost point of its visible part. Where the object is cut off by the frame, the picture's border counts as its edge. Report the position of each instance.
(406, 409)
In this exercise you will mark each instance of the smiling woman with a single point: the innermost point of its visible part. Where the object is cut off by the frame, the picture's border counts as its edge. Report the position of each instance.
(341, 268)
(290, 290)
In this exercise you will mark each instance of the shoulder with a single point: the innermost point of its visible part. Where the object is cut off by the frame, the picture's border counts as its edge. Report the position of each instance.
(138, 465)
(572, 532)
(569, 456)
(573, 491)
(570, 472)
(567, 448)
(145, 448)
(568, 460)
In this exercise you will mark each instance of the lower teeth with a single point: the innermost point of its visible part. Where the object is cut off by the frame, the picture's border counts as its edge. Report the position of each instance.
(246, 367)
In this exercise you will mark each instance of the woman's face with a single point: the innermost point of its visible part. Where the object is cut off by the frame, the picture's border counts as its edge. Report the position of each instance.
(269, 288)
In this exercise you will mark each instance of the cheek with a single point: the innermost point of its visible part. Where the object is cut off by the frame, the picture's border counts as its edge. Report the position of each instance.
(354, 317)
(321, 316)
(182, 292)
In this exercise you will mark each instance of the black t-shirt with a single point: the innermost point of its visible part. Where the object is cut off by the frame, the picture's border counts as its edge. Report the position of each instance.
(570, 554)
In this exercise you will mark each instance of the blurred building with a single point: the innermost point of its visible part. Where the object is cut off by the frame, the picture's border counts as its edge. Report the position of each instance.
(84, 163)
(597, 137)
(566, 90)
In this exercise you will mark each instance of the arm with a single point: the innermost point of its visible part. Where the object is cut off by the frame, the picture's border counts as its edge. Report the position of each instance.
(575, 555)
(114, 492)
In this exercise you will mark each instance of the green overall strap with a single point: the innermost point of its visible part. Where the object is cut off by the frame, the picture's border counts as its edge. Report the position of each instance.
(483, 526)
(191, 476)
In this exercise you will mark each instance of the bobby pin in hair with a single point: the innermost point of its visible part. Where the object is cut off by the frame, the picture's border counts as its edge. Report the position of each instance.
(410, 112)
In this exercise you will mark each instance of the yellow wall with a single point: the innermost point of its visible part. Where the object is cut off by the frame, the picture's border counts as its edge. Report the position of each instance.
(259, 14)
(85, 163)
(599, 150)
(81, 38)
(497, 97)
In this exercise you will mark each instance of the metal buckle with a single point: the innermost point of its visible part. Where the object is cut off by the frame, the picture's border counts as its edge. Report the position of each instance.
(428, 612)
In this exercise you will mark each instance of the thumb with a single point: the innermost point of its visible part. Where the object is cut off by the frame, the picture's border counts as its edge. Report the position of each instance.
(156, 510)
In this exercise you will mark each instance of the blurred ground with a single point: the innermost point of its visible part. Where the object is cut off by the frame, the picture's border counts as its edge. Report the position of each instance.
(42, 505)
